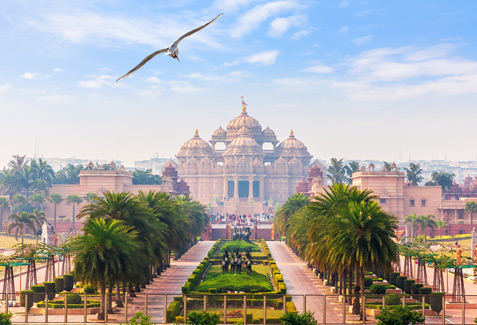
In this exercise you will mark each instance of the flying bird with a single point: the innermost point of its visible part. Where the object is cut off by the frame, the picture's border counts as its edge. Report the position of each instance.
(172, 51)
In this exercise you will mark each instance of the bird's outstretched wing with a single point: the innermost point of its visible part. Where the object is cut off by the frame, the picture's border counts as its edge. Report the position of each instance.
(194, 31)
(143, 62)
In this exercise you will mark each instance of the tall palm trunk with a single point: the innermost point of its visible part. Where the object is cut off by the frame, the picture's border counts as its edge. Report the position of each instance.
(102, 287)
(356, 303)
(54, 218)
(119, 303)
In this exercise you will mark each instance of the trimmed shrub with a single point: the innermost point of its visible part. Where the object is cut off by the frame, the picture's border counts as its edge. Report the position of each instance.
(89, 289)
(59, 285)
(306, 318)
(30, 298)
(415, 290)
(38, 292)
(368, 282)
(196, 318)
(392, 277)
(392, 299)
(282, 288)
(74, 298)
(426, 291)
(69, 283)
(400, 281)
(173, 310)
(378, 289)
(212, 290)
(50, 289)
(435, 299)
(399, 315)
(407, 285)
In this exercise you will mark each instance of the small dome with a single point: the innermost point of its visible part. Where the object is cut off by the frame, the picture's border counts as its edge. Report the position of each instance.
(244, 120)
(220, 132)
(195, 147)
(269, 132)
(292, 147)
(243, 145)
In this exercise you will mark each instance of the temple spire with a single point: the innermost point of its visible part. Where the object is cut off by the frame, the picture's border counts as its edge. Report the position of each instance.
(244, 106)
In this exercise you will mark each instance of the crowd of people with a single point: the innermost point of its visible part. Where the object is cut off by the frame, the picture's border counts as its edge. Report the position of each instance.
(240, 220)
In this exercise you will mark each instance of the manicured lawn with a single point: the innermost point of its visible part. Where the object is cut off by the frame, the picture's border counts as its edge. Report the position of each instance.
(258, 280)
(242, 244)
(9, 241)
(257, 313)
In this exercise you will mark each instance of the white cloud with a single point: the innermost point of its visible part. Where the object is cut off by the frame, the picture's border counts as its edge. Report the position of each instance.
(280, 25)
(344, 3)
(4, 88)
(183, 87)
(232, 76)
(300, 34)
(362, 40)
(95, 82)
(231, 5)
(255, 16)
(319, 69)
(344, 29)
(153, 80)
(262, 58)
(58, 70)
(29, 75)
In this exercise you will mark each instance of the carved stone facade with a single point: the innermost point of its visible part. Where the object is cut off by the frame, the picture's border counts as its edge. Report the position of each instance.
(243, 163)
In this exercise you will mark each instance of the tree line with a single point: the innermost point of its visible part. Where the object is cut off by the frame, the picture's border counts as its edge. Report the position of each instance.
(343, 233)
(340, 172)
(129, 238)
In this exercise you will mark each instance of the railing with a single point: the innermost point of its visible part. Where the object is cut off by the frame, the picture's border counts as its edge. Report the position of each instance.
(264, 309)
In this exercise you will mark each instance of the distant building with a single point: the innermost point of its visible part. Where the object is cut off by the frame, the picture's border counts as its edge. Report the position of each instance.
(154, 164)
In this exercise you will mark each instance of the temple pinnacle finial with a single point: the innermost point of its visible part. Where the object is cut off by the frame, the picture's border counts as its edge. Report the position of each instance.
(291, 132)
(244, 104)
(196, 132)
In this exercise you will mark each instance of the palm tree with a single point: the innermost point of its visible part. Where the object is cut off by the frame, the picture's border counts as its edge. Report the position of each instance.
(414, 174)
(26, 179)
(412, 218)
(74, 199)
(105, 253)
(39, 218)
(20, 223)
(37, 199)
(470, 208)
(19, 201)
(3, 205)
(440, 224)
(55, 199)
(294, 203)
(43, 171)
(425, 222)
(90, 197)
(17, 163)
(337, 171)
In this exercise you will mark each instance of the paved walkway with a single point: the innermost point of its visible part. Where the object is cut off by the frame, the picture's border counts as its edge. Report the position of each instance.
(170, 282)
(301, 280)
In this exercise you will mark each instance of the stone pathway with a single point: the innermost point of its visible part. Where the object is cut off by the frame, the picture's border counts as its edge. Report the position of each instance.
(301, 280)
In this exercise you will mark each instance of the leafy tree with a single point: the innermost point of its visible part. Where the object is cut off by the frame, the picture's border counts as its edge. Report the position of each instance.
(294, 203)
(306, 318)
(352, 167)
(3, 205)
(43, 171)
(55, 199)
(39, 218)
(471, 208)
(387, 166)
(68, 175)
(414, 174)
(17, 163)
(203, 318)
(74, 199)
(413, 219)
(20, 203)
(90, 197)
(337, 171)
(104, 253)
(20, 223)
(443, 179)
(440, 224)
(146, 177)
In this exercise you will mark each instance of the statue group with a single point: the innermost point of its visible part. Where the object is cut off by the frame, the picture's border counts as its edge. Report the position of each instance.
(235, 261)
(241, 233)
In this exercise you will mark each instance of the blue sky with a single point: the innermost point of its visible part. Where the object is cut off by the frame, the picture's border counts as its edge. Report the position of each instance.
(353, 79)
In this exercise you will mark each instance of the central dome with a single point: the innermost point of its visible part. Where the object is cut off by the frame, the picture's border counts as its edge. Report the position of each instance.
(195, 147)
(244, 120)
(243, 145)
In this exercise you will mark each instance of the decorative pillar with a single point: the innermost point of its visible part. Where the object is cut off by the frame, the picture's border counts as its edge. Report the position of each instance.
(250, 188)
(262, 187)
(236, 195)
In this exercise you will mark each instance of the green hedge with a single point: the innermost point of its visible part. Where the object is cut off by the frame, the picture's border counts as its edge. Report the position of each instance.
(379, 289)
(173, 310)
(400, 282)
(426, 291)
(435, 300)
(59, 285)
(69, 283)
(38, 292)
(58, 304)
(30, 298)
(50, 289)
(415, 290)
(392, 277)
(407, 285)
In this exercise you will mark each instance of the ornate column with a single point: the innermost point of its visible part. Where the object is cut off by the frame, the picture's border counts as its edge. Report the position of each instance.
(262, 187)
(250, 188)
(236, 195)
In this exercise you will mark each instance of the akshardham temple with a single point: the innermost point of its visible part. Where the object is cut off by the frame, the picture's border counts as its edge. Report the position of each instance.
(243, 166)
